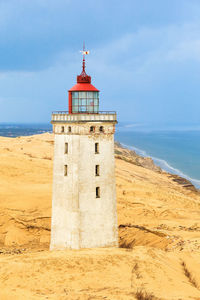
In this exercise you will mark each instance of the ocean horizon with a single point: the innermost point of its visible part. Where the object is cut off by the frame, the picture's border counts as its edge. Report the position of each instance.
(175, 149)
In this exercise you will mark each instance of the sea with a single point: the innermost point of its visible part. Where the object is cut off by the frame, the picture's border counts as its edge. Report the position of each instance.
(176, 149)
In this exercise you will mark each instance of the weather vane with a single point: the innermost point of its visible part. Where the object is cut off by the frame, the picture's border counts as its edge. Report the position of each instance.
(84, 52)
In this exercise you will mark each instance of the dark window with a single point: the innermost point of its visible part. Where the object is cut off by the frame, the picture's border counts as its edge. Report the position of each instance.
(101, 129)
(92, 129)
(65, 170)
(97, 170)
(62, 129)
(97, 192)
(66, 148)
(69, 129)
(96, 148)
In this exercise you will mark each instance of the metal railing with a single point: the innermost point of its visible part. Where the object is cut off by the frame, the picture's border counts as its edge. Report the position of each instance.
(87, 113)
(102, 116)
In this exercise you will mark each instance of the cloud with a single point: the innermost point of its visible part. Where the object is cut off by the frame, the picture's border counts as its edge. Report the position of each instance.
(34, 33)
(142, 55)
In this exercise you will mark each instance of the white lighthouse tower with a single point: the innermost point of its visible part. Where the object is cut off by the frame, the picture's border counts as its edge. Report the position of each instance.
(84, 196)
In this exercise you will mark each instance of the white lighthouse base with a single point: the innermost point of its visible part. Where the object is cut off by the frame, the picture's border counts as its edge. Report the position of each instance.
(80, 219)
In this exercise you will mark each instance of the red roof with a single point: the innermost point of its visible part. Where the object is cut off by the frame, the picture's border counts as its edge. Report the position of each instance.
(83, 87)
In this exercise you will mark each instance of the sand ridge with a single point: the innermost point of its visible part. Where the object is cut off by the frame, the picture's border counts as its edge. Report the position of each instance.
(158, 233)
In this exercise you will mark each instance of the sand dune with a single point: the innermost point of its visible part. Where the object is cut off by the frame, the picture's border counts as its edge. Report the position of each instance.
(159, 233)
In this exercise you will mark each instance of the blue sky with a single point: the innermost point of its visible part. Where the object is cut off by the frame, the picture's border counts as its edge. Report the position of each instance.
(145, 57)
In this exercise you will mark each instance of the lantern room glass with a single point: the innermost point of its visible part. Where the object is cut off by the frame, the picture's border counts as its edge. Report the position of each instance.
(85, 102)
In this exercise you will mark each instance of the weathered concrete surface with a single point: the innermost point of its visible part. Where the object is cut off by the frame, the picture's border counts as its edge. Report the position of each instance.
(79, 219)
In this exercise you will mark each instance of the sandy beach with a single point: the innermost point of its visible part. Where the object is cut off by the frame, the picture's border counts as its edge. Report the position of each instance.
(159, 233)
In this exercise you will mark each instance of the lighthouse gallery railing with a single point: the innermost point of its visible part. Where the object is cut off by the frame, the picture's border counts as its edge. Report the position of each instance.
(106, 116)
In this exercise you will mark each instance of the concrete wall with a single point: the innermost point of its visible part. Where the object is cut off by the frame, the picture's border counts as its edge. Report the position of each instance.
(79, 219)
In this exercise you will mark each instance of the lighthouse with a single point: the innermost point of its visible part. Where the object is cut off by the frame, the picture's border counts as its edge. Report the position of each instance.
(84, 191)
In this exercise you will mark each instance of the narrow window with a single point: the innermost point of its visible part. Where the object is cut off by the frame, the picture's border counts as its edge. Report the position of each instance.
(101, 129)
(92, 128)
(96, 148)
(69, 129)
(66, 148)
(65, 170)
(97, 170)
(62, 129)
(97, 192)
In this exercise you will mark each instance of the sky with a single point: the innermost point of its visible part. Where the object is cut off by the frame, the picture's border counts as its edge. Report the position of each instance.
(144, 58)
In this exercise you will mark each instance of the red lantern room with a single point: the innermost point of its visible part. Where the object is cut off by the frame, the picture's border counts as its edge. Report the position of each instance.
(83, 96)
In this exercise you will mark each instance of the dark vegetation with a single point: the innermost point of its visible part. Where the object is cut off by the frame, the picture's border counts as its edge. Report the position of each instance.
(189, 275)
(143, 295)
